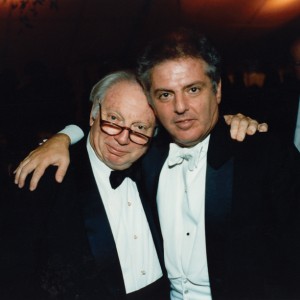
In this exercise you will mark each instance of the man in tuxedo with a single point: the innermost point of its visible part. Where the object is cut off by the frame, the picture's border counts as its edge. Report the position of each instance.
(92, 237)
(228, 211)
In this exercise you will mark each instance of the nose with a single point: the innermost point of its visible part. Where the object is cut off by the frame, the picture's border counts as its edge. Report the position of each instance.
(123, 137)
(180, 104)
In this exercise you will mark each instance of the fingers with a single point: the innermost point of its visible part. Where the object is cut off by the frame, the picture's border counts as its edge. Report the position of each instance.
(263, 127)
(39, 171)
(22, 171)
(251, 126)
(228, 119)
(53, 152)
(247, 126)
(26, 167)
(254, 126)
(240, 126)
(37, 174)
(61, 171)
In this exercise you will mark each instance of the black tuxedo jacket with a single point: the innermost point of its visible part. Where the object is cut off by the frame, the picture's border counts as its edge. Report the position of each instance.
(283, 111)
(48, 248)
(251, 207)
(277, 105)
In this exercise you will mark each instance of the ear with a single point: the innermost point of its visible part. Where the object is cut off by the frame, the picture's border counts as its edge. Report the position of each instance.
(92, 119)
(219, 92)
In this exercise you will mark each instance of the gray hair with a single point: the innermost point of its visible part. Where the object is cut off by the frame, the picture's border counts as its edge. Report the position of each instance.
(100, 89)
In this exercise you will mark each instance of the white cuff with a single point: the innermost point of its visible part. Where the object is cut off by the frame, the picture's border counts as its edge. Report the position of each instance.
(73, 132)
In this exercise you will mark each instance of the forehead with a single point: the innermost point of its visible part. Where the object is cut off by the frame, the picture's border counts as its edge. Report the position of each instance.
(181, 71)
(128, 99)
(124, 93)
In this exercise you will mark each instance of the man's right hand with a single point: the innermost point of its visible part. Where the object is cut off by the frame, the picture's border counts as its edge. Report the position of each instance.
(54, 151)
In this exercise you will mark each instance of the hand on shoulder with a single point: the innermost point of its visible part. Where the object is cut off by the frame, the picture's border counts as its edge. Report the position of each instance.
(54, 151)
(240, 126)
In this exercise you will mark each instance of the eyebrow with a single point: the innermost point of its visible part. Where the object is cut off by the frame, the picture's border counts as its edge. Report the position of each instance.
(201, 83)
(147, 124)
(162, 90)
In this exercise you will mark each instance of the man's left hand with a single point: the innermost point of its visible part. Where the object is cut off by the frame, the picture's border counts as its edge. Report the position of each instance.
(241, 125)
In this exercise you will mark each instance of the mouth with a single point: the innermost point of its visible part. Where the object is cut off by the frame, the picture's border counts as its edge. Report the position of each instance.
(116, 151)
(184, 124)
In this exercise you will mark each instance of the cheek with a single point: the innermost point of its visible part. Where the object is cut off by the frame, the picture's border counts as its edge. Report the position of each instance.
(210, 106)
(98, 147)
(136, 153)
(163, 113)
(99, 142)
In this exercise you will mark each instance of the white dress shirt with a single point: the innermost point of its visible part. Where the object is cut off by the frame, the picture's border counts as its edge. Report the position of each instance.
(181, 207)
(137, 254)
(74, 132)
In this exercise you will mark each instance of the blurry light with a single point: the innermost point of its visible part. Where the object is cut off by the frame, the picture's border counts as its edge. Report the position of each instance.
(13, 4)
(272, 5)
(8, 2)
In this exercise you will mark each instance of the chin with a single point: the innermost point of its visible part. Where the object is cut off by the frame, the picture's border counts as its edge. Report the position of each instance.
(119, 166)
(184, 139)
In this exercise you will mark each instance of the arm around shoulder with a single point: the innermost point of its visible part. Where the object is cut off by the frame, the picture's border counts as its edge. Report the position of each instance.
(54, 151)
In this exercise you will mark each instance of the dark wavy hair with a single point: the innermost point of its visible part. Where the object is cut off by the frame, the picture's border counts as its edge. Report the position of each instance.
(181, 43)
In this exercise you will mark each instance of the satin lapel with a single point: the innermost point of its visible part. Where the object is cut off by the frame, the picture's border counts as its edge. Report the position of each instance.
(152, 164)
(218, 204)
(98, 231)
(220, 147)
(153, 224)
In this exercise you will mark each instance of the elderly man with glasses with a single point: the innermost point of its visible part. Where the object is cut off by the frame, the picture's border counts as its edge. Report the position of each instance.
(93, 236)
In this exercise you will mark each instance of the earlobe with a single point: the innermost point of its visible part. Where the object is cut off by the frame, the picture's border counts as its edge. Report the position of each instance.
(219, 92)
(92, 120)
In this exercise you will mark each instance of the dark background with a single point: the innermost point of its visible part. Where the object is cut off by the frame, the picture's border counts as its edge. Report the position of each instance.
(66, 34)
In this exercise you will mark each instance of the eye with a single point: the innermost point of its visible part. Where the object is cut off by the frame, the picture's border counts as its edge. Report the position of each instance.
(140, 128)
(194, 90)
(112, 118)
(164, 96)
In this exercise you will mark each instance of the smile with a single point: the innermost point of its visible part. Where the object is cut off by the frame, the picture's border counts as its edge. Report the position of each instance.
(115, 151)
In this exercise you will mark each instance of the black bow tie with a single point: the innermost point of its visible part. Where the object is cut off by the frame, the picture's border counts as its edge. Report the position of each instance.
(116, 177)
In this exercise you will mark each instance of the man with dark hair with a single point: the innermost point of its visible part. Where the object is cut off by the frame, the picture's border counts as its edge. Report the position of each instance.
(176, 46)
(224, 207)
